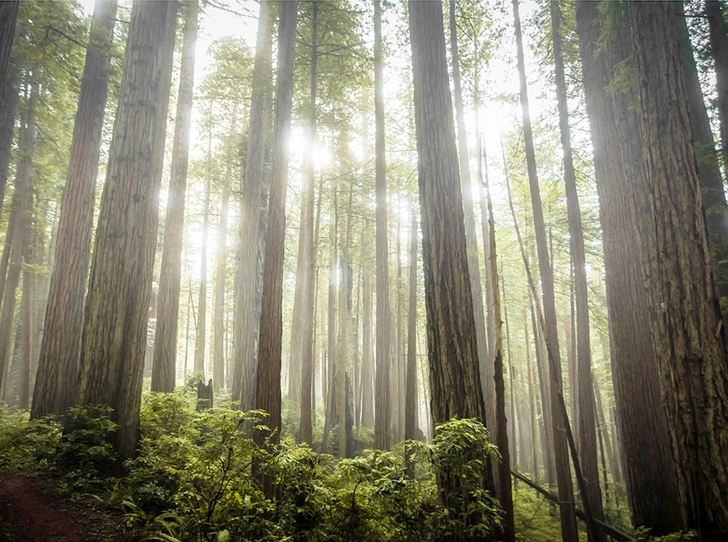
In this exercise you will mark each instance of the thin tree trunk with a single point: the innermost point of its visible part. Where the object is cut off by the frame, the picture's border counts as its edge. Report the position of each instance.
(719, 45)
(247, 278)
(9, 92)
(306, 261)
(330, 381)
(533, 463)
(115, 321)
(20, 217)
(561, 455)
(170, 276)
(218, 340)
(367, 359)
(619, 169)
(503, 475)
(410, 415)
(28, 325)
(201, 331)
(587, 434)
(383, 354)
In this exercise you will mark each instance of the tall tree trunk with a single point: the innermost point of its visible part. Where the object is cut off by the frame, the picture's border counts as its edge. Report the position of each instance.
(218, 340)
(170, 275)
(719, 45)
(305, 272)
(117, 307)
(247, 279)
(56, 379)
(201, 331)
(8, 17)
(484, 363)
(367, 358)
(451, 343)
(563, 474)
(28, 321)
(533, 463)
(620, 173)
(691, 354)
(410, 415)
(20, 217)
(503, 474)
(268, 396)
(329, 383)
(383, 354)
(9, 92)
(587, 433)
(715, 209)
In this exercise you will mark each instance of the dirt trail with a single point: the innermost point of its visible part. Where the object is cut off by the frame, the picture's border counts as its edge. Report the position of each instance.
(27, 516)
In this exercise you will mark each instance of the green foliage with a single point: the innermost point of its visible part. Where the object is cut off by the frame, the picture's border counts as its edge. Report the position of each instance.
(196, 477)
(642, 534)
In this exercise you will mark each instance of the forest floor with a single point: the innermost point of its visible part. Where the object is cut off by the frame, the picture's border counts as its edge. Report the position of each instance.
(32, 511)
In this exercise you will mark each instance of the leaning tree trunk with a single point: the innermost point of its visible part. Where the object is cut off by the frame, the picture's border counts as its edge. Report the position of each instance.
(115, 322)
(247, 283)
(619, 172)
(56, 379)
(587, 431)
(691, 352)
(451, 343)
(503, 473)
(170, 275)
(268, 397)
(382, 336)
(561, 455)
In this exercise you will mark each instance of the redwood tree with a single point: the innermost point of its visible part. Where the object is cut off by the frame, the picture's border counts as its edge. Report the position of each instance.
(170, 275)
(57, 375)
(115, 322)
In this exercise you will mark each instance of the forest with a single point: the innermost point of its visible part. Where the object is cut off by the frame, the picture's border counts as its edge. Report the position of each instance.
(374, 270)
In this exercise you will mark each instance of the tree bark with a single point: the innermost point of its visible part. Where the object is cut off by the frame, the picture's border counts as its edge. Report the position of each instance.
(451, 344)
(410, 415)
(201, 331)
(20, 217)
(503, 474)
(587, 433)
(8, 17)
(28, 324)
(218, 340)
(244, 360)
(620, 178)
(9, 92)
(485, 363)
(367, 358)
(170, 275)
(561, 457)
(305, 272)
(268, 396)
(56, 379)
(115, 322)
(718, 31)
(383, 354)
(691, 351)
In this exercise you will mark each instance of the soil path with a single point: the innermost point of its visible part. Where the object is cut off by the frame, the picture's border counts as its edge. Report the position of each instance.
(27, 516)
